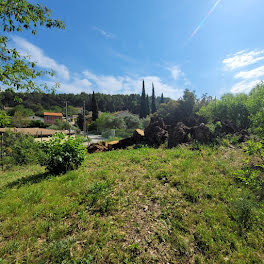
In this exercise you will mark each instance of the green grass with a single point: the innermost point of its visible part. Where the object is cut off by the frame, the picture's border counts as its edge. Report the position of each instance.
(133, 206)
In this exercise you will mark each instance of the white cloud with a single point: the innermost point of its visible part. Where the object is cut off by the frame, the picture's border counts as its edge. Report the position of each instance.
(177, 74)
(130, 84)
(243, 58)
(37, 55)
(105, 34)
(252, 74)
(175, 71)
(87, 81)
(244, 86)
(77, 86)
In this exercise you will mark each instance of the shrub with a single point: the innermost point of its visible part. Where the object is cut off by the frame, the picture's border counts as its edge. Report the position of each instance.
(63, 154)
(251, 173)
(20, 149)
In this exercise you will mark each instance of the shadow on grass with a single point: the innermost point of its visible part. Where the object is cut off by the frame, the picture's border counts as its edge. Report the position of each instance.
(29, 180)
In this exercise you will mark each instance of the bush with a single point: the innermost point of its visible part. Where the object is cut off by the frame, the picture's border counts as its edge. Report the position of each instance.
(20, 149)
(37, 123)
(63, 154)
(251, 173)
(60, 125)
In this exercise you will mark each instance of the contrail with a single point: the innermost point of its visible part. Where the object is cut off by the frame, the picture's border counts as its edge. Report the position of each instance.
(205, 18)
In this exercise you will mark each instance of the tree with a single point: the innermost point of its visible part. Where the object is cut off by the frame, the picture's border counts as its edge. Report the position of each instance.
(256, 108)
(17, 71)
(18, 119)
(161, 99)
(132, 121)
(143, 106)
(94, 108)
(147, 106)
(233, 108)
(187, 107)
(4, 119)
(153, 103)
(79, 121)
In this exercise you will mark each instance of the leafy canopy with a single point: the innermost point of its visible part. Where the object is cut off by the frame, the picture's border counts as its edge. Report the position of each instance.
(17, 71)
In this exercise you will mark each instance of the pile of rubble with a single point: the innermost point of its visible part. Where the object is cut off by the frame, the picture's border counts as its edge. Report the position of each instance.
(157, 133)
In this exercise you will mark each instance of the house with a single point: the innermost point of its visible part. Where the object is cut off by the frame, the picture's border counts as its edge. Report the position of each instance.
(50, 118)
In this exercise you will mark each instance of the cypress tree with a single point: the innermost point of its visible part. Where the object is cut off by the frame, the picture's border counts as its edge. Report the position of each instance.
(153, 104)
(147, 106)
(94, 108)
(162, 99)
(143, 107)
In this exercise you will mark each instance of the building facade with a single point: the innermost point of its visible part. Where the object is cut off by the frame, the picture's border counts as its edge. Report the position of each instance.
(51, 118)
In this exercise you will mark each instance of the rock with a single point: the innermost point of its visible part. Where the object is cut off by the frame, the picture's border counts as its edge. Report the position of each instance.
(156, 133)
(201, 133)
(138, 136)
(97, 147)
(178, 135)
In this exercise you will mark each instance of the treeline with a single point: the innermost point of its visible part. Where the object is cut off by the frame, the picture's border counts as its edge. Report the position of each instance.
(39, 102)
(242, 110)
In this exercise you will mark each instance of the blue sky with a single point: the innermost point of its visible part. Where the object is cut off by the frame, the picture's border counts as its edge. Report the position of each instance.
(109, 46)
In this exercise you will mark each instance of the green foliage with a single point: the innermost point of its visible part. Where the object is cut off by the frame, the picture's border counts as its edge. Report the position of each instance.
(22, 109)
(60, 125)
(230, 107)
(4, 119)
(18, 120)
(63, 153)
(132, 122)
(182, 110)
(140, 205)
(20, 149)
(153, 101)
(37, 123)
(251, 173)
(17, 15)
(108, 121)
(119, 133)
(143, 103)
(256, 107)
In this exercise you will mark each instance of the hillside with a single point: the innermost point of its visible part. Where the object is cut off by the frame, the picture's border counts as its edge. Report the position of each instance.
(133, 206)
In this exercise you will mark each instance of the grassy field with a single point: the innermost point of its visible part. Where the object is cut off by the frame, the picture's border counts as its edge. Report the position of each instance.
(133, 206)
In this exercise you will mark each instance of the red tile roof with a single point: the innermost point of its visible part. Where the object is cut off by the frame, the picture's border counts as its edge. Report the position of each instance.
(52, 114)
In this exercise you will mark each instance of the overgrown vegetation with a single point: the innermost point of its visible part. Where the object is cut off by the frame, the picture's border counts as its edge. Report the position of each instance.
(251, 173)
(62, 153)
(19, 149)
(142, 205)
